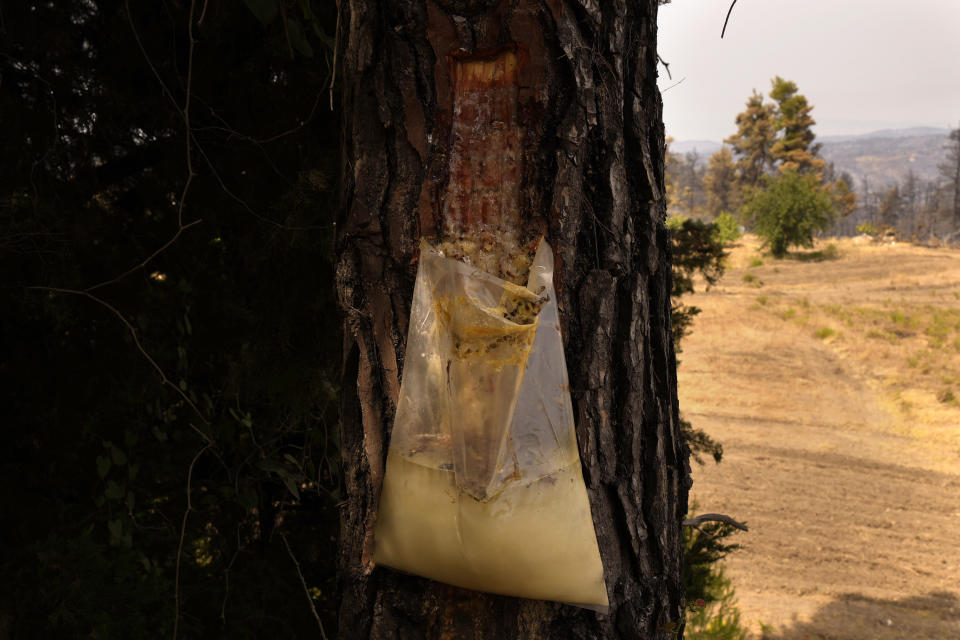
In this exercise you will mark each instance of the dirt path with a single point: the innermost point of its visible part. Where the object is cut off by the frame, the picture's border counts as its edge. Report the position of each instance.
(834, 387)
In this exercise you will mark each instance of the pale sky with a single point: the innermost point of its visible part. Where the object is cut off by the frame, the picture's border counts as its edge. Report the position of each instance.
(863, 64)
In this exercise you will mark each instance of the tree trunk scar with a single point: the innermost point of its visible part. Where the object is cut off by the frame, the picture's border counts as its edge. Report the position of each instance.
(484, 163)
(481, 204)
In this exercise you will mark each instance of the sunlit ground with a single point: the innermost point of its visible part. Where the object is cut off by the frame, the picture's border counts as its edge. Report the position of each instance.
(833, 381)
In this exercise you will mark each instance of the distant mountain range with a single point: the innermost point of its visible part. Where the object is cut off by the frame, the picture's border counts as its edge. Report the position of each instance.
(881, 158)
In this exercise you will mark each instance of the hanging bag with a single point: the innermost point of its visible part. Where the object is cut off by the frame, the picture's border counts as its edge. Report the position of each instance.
(483, 487)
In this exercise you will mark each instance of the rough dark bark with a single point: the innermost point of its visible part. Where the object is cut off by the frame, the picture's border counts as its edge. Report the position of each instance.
(588, 116)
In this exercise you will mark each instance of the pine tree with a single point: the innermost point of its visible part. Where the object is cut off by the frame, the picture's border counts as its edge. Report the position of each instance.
(448, 132)
(720, 183)
(754, 140)
(795, 148)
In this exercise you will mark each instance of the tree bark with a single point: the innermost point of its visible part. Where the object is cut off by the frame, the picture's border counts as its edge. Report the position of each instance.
(582, 116)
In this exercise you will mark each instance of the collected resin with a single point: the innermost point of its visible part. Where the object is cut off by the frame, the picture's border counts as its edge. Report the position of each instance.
(483, 487)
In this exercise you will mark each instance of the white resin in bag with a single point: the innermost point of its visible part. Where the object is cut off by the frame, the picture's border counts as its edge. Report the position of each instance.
(483, 487)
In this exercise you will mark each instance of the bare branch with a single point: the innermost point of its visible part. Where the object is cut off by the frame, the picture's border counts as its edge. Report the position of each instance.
(729, 11)
(336, 47)
(136, 341)
(226, 578)
(146, 260)
(666, 66)
(183, 534)
(146, 56)
(714, 517)
(673, 85)
(304, 583)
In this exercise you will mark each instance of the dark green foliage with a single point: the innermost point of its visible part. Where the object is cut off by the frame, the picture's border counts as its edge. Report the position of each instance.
(238, 312)
(753, 142)
(696, 249)
(720, 618)
(788, 210)
(700, 443)
(794, 149)
(704, 546)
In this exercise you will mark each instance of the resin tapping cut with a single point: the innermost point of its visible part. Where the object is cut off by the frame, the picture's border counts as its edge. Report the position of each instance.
(481, 215)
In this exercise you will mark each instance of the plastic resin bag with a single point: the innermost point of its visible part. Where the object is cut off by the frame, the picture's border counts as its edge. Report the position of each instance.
(483, 487)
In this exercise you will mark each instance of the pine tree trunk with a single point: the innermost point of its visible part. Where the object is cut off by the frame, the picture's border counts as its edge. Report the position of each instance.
(570, 146)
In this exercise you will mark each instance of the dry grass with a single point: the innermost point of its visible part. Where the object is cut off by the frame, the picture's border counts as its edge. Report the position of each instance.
(833, 381)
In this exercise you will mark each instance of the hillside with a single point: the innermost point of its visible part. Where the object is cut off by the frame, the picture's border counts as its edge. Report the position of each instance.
(886, 160)
(880, 157)
(834, 387)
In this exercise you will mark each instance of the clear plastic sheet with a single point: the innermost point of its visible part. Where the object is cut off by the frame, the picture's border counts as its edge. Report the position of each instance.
(483, 487)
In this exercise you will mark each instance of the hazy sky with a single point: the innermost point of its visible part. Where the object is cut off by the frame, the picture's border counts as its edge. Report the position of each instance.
(863, 64)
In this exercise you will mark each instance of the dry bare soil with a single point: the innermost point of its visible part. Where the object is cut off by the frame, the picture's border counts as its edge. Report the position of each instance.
(832, 379)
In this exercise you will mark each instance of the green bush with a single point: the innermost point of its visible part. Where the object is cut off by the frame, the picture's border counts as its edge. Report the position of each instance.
(726, 228)
(720, 618)
(704, 579)
(867, 228)
(788, 210)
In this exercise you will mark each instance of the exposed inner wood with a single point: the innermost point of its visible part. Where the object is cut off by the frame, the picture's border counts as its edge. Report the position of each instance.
(481, 207)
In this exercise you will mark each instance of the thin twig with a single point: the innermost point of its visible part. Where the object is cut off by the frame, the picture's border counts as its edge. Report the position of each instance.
(666, 65)
(185, 114)
(245, 205)
(203, 13)
(304, 583)
(136, 341)
(673, 85)
(714, 517)
(226, 577)
(146, 56)
(286, 32)
(146, 260)
(336, 46)
(186, 117)
(729, 11)
(183, 534)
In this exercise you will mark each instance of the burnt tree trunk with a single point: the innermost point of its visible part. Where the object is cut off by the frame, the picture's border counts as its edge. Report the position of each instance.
(503, 121)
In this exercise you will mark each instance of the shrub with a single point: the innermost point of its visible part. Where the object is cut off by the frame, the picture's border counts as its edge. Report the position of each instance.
(720, 618)
(824, 333)
(726, 228)
(704, 579)
(788, 210)
(867, 228)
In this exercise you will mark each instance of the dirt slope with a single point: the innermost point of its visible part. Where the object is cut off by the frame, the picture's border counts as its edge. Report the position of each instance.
(834, 386)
